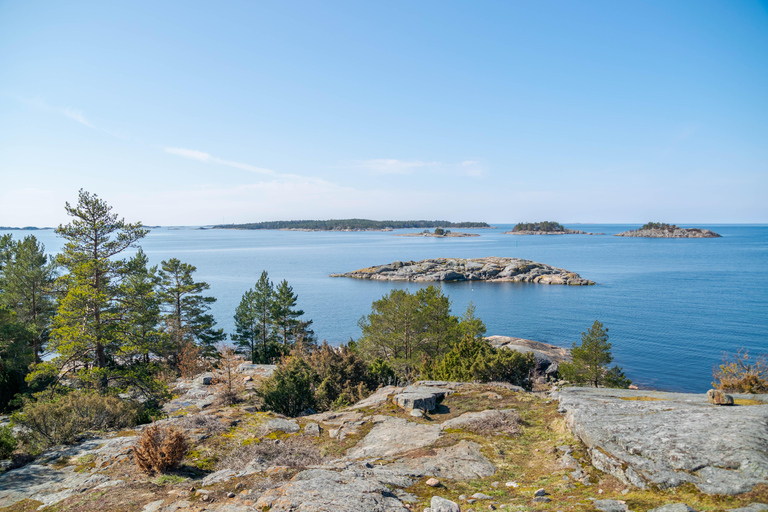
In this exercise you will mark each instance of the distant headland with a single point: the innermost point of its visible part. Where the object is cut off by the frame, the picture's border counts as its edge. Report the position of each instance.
(25, 228)
(661, 230)
(352, 225)
(545, 228)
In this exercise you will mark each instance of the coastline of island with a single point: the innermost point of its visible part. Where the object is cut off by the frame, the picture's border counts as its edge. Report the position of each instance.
(353, 225)
(662, 230)
(545, 228)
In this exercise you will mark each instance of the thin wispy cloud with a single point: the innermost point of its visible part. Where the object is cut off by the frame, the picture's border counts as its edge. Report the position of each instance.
(393, 166)
(202, 156)
(76, 115)
(69, 112)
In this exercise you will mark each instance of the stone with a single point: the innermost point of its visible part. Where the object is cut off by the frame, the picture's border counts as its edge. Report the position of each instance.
(481, 496)
(153, 506)
(393, 437)
(433, 482)
(410, 401)
(327, 491)
(417, 413)
(540, 492)
(673, 507)
(611, 505)
(541, 499)
(462, 461)
(439, 504)
(230, 495)
(468, 418)
(512, 484)
(649, 438)
(282, 425)
(312, 429)
(717, 397)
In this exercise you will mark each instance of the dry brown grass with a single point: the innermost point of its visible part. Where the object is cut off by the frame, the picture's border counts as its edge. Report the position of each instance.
(207, 422)
(160, 449)
(294, 452)
(505, 422)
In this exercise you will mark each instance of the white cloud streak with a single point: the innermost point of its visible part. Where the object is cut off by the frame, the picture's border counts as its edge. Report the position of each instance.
(202, 156)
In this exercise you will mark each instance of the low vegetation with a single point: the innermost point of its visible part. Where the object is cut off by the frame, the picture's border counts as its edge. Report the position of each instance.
(658, 225)
(160, 449)
(545, 226)
(590, 360)
(352, 224)
(742, 373)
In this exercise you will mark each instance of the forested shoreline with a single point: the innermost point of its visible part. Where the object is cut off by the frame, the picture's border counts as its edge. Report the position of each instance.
(352, 225)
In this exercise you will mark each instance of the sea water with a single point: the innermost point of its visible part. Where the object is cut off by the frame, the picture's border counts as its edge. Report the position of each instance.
(672, 306)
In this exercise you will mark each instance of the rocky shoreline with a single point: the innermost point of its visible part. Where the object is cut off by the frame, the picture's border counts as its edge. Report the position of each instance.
(562, 232)
(673, 233)
(452, 234)
(491, 269)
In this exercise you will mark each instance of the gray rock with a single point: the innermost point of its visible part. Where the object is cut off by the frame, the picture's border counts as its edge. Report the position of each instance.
(153, 506)
(330, 492)
(717, 397)
(540, 492)
(312, 429)
(417, 413)
(673, 507)
(752, 507)
(393, 437)
(439, 504)
(468, 418)
(668, 439)
(282, 425)
(611, 505)
(492, 269)
(462, 461)
(481, 496)
(221, 475)
(541, 499)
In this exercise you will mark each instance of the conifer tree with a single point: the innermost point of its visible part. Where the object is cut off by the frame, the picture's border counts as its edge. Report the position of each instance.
(285, 318)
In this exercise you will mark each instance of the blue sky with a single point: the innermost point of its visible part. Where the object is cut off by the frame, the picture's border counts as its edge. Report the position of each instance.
(208, 112)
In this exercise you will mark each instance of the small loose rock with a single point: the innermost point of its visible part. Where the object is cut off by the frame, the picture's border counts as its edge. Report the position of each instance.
(433, 482)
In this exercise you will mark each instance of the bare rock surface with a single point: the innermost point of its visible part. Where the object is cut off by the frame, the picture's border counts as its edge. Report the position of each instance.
(393, 437)
(469, 418)
(667, 439)
(328, 491)
(548, 357)
(462, 461)
(676, 232)
(492, 269)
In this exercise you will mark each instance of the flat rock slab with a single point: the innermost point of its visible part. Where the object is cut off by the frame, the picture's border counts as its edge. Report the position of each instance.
(667, 439)
(393, 437)
(379, 397)
(463, 461)
(470, 418)
(492, 269)
(328, 491)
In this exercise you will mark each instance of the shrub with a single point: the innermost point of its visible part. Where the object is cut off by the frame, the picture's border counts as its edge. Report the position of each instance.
(503, 422)
(63, 419)
(343, 376)
(207, 422)
(7, 443)
(742, 374)
(475, 360)
(227, 386)
(160, 449)
(291, 389)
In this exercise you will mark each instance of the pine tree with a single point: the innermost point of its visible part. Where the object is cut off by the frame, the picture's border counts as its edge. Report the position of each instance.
(590, 360)
(285, 318)
(85, 331)
(141, 309)
(186, 309)
(254, 322)
(26, 286)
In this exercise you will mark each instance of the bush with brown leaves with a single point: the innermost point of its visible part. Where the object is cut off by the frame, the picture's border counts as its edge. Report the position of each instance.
(742, 373)
(160, 449)
(504, 422)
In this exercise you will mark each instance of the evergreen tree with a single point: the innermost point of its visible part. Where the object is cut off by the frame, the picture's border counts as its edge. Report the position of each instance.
(285, 318)
(85, 331)
(254, 322)
(590, 360)
(439, 326)
(26, 287)
(186, 309)
(15, 355)
(141, 309)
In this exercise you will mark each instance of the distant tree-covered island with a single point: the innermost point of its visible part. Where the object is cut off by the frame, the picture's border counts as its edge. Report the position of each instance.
(664, 230)
(25, 228)
(546, 227)
(352, 225)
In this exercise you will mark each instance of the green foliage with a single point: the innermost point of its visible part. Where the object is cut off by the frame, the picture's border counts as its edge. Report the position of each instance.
(353, 224)
(7, 443)
(185, 310)
(63, 419)
(344, 378)
(267, 326)
(659, 225)
(475, 360)
(590, 360)
(742, 373)
(291, 389)
(15, 355)
(545, 226)
(403, 329)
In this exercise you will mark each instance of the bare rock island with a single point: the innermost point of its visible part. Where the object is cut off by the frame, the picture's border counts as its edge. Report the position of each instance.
(656, 230)
(493, 269)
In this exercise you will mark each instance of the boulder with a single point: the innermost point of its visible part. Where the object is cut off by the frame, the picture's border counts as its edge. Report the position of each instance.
(439, 504)
(673, 507)
(282, 425)
(717, 397)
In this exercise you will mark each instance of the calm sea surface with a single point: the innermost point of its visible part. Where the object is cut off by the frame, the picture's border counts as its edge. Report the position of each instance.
(672, 306)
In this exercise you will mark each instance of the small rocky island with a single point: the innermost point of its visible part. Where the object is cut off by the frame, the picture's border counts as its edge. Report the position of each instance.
(439, 233)
(545, 228)
(493, 269)
(662, 230)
